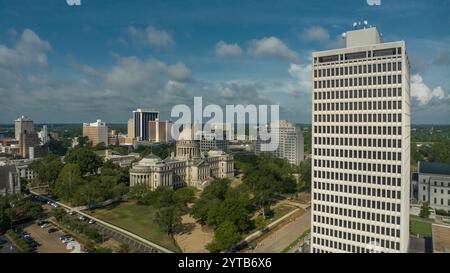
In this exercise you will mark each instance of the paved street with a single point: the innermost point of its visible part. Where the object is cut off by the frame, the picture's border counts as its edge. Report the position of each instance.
(284, 236)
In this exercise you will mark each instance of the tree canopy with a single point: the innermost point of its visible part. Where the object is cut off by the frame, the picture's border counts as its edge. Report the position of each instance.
(85, 157)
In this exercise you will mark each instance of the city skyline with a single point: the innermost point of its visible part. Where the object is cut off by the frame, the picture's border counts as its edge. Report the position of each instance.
(144, 58)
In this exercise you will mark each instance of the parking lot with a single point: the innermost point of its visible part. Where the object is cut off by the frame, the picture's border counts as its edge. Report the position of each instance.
(49, 242)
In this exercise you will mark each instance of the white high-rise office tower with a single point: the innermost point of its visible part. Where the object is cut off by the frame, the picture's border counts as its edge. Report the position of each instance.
(290, 143)
(43, 135)
(361, 146)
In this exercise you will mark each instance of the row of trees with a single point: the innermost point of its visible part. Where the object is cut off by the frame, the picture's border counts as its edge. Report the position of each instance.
(79, 180)
(163, 150)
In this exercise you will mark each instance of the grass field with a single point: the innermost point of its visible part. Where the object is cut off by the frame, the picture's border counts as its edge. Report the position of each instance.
(275, 214)
(420, 226)
(137, 219)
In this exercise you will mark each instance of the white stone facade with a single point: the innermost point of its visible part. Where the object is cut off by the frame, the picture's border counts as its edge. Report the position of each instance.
(188, 168)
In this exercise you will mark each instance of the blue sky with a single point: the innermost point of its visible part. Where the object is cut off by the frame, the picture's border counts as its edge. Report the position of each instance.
(61, 63)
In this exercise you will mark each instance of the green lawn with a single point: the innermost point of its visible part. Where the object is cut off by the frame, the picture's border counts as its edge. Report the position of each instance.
(420, 226)
(137, 219)
(275, 214)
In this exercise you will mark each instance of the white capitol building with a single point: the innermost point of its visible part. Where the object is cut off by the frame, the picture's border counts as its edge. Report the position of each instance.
(188, 168)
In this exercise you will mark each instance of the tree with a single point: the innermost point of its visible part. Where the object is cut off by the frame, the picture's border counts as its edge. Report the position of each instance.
(305, 175)
(440, 152)
(137, 192)
(68, 181)
(216, 189)
(213, 194)
(88, 161)
(234, 210)
(119, 190)
(58, 213)
(226, 235)
(89, 193)
(168, 218)
(185, 195)
(57, 147)
(100, 146)
(263, 189)
(47, 169)
(425, 210)
(5, 219)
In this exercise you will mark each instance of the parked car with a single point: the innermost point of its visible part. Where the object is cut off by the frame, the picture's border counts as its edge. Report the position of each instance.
(91, 221)
(51, 230)
(71, 212)
(67, 240)
(65, 236)
(82, 218)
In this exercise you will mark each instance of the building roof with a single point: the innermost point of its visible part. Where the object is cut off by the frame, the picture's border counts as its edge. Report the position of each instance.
(434, 168)
(150, 159)
(23, 118)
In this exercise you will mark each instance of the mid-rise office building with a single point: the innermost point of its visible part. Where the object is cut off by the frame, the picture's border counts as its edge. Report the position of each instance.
(130, 131)
(23, 125)
(141, 119)
(432, 185)
(361, 146)
(160, 131)
(27, 142)
(96, 132)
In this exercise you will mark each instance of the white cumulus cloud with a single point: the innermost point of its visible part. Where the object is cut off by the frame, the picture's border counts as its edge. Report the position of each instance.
(271, 47)
(228, 50)
(29, 50)
(315, 33)
(151, 36)
(421, 92)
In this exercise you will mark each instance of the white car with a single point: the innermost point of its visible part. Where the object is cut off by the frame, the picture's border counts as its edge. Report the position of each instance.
(91, 221)
(68, 240)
